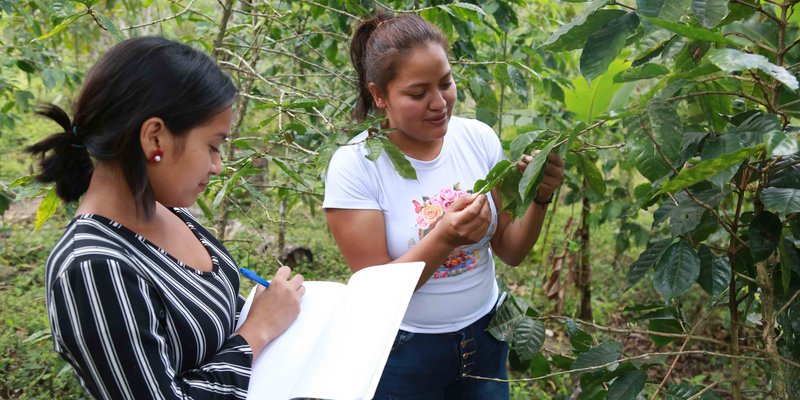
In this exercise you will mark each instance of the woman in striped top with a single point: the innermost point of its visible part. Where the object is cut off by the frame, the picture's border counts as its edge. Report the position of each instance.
(143, 301)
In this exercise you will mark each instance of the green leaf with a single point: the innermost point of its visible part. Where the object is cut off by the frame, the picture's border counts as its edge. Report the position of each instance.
(109, 25)
(685, 217)
(765, 234)
(58, 28)
(229, 184)
(468, 6)
(710, 12)
(782, 201)
(518, 83)
(790, 259)
(572, 35)
(690, 31)
(732, 60)
(602, 354)
(519, 145)
(604, 45)
(530, 177)
(669, 10)
(708, 168)
(589, 100)
(628, 386)
(494, 177)
(676, 270)
(375, 147)
(528, 338)
(716, 147)
(400, 162)
(539, 366)
(6, 197)
(291, 172)
(592, 174)
(23, 98)
(52, 77)
(663, 325)
(779, 144)
(504, 322)
(684, 392)
(47, 208)
(578, 338)
(646, 261)
(789, 256)
(645, 71)
(715, 272)
(661, 121)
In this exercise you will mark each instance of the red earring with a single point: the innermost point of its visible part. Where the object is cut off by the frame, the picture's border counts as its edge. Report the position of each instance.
(156, 157)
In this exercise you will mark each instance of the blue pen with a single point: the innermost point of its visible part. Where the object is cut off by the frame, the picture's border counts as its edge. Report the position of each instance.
(253, 276)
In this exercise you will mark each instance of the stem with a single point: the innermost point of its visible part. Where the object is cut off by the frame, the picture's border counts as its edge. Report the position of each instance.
(769, 320)
(722, 92)
(620, 361)
(736, 378)
(583, 281)
(680, 352)
(223, 27)
(502, 93)
(238, 118)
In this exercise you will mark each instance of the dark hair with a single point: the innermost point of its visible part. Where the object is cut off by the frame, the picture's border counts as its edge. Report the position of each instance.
(137, 79)
(377, 47)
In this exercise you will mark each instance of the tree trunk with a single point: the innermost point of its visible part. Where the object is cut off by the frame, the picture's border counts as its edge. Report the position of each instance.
(768, 318)
(583, 283)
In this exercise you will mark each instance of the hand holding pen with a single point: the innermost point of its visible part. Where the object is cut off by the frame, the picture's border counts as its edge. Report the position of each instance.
(275, 305)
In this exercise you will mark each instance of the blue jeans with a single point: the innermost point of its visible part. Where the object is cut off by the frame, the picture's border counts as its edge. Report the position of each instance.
(425, 366)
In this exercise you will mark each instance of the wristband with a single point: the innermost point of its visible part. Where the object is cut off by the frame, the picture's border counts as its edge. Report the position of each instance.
(545, 202)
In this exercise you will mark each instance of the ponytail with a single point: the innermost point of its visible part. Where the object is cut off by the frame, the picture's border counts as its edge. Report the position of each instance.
(376, 47)
(64, 158)
(358, 53)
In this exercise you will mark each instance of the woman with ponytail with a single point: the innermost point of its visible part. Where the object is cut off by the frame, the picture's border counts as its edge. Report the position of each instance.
(377, 216)
(143, 301)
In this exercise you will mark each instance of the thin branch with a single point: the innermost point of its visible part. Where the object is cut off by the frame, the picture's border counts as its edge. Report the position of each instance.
(705, 389)
(788, 303)
(786, 50)
(755, 42)
(639, 331)
(591, 146)
(759, 9)
(336, 10)
(745, 277)
(158, 21)
(621, 360)
(295, 57)
(723, 92)
(726, 76)
(412, 11)
(677, 357)
(616, 3)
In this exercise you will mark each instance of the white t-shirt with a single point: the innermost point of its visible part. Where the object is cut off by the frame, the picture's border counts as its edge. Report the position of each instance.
(463, 288)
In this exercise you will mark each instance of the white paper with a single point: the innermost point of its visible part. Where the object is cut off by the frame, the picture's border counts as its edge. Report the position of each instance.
(338, 345)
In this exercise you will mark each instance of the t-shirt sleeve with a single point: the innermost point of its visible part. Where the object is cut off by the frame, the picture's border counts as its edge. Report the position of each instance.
(494, 149)
(108, 322)
(348, 183)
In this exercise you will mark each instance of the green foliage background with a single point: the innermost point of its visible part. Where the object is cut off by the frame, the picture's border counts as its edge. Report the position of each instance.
(669, 266)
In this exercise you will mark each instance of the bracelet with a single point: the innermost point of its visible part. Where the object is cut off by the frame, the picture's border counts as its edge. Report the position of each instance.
(546, 202)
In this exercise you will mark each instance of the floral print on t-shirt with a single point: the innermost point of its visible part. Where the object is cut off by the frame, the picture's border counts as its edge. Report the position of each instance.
(428, 212)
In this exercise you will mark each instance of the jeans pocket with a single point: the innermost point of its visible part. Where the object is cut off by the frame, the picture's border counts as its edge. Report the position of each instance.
(402, 338)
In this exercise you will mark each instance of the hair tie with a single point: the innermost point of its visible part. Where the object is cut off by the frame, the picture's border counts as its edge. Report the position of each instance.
(76, 142)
